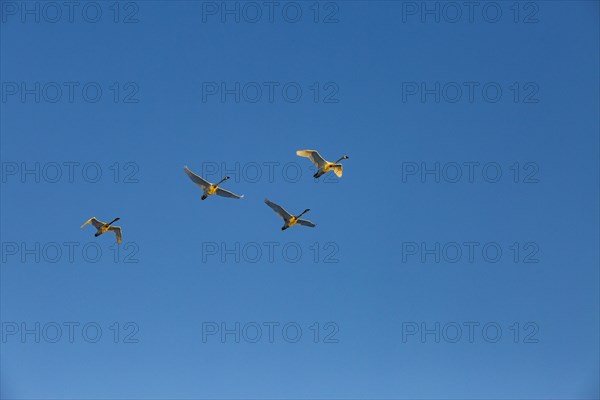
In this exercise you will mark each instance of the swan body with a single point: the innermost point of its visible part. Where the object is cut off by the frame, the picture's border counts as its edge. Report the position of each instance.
(103, 227)
(323, 166)
(289, 219)
(209, 188)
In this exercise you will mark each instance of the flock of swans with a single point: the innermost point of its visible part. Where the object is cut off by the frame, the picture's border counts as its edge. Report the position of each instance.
(323, 167)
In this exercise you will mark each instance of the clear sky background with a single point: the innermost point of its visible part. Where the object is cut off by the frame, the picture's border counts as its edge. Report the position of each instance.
(366, 60)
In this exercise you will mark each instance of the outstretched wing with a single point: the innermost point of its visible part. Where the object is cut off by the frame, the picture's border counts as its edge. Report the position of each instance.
(279, 210)
(226, 193)
(304, 222)
(196, 179)
(117, 231)
(97, 224)
(337, 169)
(314, 156)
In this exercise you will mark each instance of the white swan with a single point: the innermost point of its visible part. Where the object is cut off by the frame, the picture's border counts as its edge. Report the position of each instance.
(323, 166)
(288, 218)
(209, 188)
(103, 227)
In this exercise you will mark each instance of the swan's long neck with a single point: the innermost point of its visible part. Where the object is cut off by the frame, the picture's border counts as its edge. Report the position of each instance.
(114, 220)
(303, 212)
(339, 160)
(221, 181)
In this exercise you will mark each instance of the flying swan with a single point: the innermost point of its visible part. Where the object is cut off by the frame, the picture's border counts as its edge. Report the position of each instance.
(288, 218)
(323, 166)
(103, 227)
(209, 188)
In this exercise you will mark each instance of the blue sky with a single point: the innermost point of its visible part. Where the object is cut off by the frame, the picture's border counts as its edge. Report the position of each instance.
(367, 274)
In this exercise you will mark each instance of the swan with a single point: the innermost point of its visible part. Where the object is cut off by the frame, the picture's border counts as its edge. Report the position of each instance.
(209, 188)
(323, 166)
(289, 219)
(103, 227)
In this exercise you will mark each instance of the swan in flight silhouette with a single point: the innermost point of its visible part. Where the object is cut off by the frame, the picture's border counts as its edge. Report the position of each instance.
(288, 218)
(103, 227)
(209, 188)
(323, 166)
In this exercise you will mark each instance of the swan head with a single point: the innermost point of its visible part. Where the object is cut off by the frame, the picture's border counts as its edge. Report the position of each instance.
(345, 157)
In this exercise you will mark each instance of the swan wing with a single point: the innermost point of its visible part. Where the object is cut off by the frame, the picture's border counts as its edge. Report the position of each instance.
(286, 216)
(196, 179)
(314, 156)
(97, 224)
(337, 169)
(117, 231)
(305, 222)
(226, 193)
